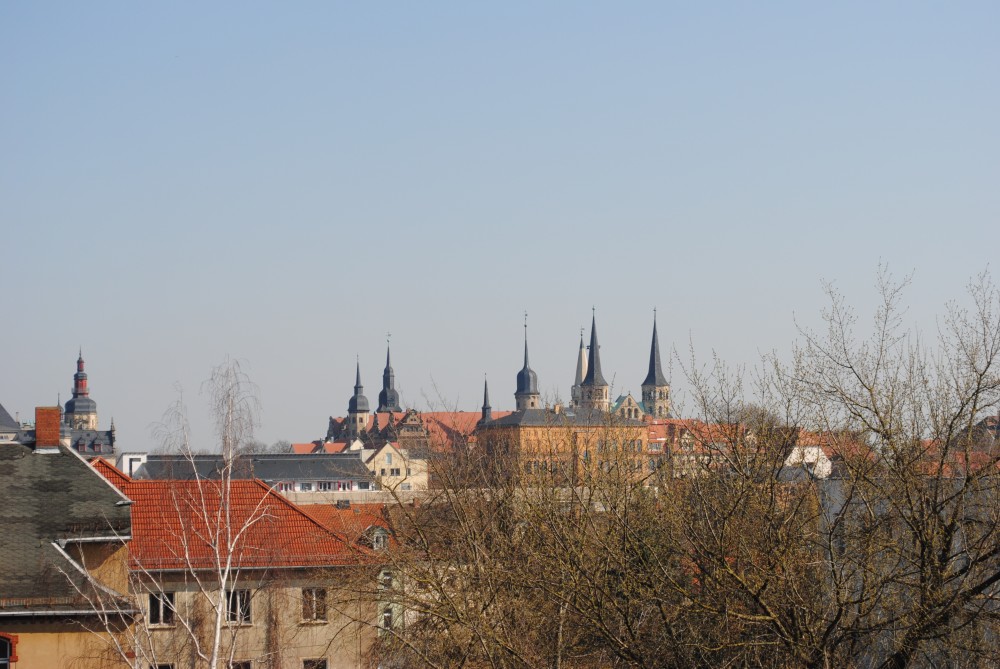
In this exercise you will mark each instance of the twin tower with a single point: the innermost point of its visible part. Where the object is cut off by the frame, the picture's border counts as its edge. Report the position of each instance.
(590, 390)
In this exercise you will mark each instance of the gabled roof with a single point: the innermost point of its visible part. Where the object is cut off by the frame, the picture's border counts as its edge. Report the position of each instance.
(48, 498)
(115, 476)
(185, 525)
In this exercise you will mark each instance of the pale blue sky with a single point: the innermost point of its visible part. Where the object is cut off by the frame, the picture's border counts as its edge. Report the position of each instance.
(283, 183)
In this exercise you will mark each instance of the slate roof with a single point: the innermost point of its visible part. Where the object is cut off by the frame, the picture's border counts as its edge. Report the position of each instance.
(48, 497)
(7, 421)
(577, 417)
(270, 468)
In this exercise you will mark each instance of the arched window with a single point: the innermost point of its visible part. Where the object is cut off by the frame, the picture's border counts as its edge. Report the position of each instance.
(8, 650)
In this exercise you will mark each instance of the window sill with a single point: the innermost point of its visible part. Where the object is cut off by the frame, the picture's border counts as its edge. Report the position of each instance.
(313, 623)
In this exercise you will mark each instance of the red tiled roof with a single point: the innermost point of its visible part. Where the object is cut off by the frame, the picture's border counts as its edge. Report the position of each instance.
(181, 525)
(351, 522)
(447, 428)
(115, 476)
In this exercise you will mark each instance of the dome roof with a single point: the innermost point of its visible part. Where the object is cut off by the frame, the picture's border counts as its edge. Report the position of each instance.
(527, 380)
(358, 404)
(81, 405)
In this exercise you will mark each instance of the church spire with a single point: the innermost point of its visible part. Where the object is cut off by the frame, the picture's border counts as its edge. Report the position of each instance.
(655, 389)
(654, 377)
(526, 396)
(357, 407)
(388, 399)
(487, 409)
(594, 376)
(595, 393)
(581, 373)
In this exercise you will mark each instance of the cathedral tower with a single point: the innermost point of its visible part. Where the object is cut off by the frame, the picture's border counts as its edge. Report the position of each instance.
(655, 390)
(595, 393)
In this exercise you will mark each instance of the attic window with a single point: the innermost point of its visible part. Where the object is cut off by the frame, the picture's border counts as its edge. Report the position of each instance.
(379, 539)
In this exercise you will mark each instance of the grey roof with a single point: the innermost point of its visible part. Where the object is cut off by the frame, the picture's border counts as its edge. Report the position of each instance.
(270, 468)
(388, 399)
(358, 402)
(6, 420)
(654, 377)
(81, 404)
(527, 380)
(47, 497)
(594, 376)
(566, 417)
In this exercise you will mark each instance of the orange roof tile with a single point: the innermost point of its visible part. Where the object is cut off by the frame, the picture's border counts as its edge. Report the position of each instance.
(351, 522)
(115, 476)
(181, 525)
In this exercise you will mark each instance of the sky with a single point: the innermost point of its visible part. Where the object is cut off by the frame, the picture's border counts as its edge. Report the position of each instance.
(285, 183)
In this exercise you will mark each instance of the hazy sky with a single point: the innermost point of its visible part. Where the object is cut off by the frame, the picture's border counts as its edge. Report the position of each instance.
(284, 183)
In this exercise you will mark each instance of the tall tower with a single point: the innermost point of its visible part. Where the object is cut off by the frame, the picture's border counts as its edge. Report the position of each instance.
(595, 393)
(576, 392)
(388, 399)
(81, 411)
(357, 408)
(655, 389)
(526, 396)
(487, 409)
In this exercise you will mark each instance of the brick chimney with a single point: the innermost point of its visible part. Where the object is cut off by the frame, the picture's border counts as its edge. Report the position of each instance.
(48, 421)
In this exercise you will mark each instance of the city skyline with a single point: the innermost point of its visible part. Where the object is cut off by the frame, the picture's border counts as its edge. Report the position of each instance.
(284, 186)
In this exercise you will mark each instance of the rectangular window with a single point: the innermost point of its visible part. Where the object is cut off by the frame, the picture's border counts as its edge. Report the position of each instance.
(363, 485)
(314, 664)
(407, 486)
(383, 472)
(324, 486)
(408, 472)
(388, 458)
(306, 487)
(394, 471)
(314, 604)
(241, 664)
(238, 607)
(161, 608)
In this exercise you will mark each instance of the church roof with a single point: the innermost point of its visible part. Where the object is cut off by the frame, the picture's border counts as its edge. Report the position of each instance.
(654, 377)
(594, 376)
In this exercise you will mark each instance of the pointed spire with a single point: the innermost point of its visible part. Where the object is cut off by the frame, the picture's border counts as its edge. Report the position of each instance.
(358, 402)
(487, 409)
(581, 362)
(655, 377)
(526, 394)
(594, 376)
(388, 398)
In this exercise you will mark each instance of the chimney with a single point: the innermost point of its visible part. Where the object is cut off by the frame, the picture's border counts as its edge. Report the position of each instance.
(343, 504)
(48, 421)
